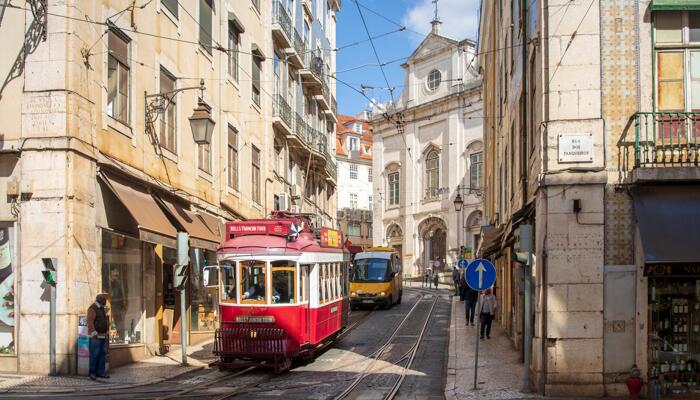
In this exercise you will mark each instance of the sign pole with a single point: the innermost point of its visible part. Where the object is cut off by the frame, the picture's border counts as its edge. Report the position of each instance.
(476, 335)
(52, 331)
(183, 250)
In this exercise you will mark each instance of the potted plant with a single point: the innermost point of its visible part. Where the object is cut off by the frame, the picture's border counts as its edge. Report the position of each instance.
(634, 382)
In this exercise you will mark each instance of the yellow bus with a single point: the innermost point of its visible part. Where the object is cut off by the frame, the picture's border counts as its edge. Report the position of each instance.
(375, 278)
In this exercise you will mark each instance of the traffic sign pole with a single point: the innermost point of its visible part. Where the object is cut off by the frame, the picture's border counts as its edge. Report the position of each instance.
(478, 327)
(480, 275)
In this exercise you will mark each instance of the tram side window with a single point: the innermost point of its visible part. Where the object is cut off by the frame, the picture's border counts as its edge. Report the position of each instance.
(305, 283)
(336, 288)
(253, 281)
(228, 281)
(338, 283)
(283, 282)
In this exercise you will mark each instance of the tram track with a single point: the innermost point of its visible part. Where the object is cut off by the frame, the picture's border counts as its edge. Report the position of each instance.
(406, 358)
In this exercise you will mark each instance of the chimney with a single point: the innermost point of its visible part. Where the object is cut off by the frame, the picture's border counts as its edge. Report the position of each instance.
(436, 26)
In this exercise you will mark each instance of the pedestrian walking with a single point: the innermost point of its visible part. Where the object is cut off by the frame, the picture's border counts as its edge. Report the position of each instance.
(426, 278)
(455, 279)
(436, 265)
(471, 297)
(98, 324)
(436, 279)
(487, 312)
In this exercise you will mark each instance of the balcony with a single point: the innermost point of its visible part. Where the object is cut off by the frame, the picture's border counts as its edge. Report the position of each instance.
(324, 99)
(282, 115)
(297, 54)
(281, 25)
(312, 77)
(661, 146)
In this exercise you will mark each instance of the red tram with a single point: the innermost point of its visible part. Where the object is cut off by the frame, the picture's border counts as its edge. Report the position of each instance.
(283, 289)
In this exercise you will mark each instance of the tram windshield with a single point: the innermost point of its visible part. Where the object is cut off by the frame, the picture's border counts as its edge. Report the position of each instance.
(228, 281)
(370, 270)
(283, 282)
(252, 281)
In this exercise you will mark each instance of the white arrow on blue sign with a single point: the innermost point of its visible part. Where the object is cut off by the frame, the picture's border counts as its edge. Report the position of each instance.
(480, 274)
(461, 264)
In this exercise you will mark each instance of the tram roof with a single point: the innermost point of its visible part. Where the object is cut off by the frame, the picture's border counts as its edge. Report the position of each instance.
(274, 245)
(385, 255)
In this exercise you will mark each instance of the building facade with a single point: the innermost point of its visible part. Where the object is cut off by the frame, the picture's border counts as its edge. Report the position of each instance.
(353, 151)
(591, 140)
(101, 169)
(427, 150)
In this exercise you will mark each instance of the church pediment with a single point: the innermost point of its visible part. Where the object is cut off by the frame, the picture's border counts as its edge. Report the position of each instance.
(430, 44)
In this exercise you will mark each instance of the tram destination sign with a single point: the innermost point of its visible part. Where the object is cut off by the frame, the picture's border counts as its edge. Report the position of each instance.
(576, 147)
(257, 228)
(331, 238)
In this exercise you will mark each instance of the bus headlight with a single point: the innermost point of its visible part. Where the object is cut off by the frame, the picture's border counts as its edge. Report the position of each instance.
(382, 294)
(353, 294)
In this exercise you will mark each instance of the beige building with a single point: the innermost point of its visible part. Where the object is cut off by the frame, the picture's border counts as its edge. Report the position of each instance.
(428, 150)
(101, 174)
(591, 138)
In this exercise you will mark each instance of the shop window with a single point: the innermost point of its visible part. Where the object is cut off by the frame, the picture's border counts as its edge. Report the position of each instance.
(253, 282)
(228, 281)
(283, 282)
(7, 289)
(202, 299)
(122, 283)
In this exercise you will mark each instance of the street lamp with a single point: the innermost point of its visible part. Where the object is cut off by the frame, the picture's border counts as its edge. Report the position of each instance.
(458, 202)
(201, 121)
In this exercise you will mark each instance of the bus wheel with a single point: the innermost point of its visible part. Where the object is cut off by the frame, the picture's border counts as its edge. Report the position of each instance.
(353, 307)
(389, 303)
(400, 295)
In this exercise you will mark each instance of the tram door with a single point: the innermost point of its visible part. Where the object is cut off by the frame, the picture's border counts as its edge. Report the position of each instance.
(305, 296)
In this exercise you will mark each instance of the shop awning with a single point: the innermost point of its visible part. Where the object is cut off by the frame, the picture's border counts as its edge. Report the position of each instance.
(661, 5)
(668, 218)
(200, 235)
(214, 224)
(491, 242)
(153, 225)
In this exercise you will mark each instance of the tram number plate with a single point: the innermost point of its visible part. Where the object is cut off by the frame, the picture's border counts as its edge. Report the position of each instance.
(368, 301)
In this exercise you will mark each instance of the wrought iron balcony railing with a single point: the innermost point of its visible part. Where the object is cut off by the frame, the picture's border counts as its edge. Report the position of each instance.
(666, 139)
(280, 16)
(299, 46)
(282, 110)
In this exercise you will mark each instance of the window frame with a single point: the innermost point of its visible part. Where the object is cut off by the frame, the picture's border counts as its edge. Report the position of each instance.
(232, 156)
(172, 105)
(234, 43)
(206, 45)
(476, 163)
(394, 179)
(242, 290)
(433, 79)
(203, 148)
(126, 66)
(432, 174)
(353, 171)
(255, 174)
(255, 80)
(175, 12)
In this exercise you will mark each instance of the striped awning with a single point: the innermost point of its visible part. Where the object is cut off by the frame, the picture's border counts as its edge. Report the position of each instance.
(661, 5)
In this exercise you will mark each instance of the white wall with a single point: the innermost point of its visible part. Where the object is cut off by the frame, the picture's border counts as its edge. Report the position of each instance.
(360, 186)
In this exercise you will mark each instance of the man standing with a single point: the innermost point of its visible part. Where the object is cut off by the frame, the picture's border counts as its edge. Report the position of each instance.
(487, 312)
(98, 324)
(455, 279)
(471, 297)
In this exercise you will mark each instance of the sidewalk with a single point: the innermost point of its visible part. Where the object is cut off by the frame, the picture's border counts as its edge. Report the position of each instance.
(149, 371)
(500, 375)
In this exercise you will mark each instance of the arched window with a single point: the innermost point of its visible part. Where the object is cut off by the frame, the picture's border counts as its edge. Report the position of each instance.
(432, 174)
(434, 78)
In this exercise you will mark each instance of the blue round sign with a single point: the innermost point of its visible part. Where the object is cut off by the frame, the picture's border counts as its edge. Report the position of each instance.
(461, 264)
(480, 274)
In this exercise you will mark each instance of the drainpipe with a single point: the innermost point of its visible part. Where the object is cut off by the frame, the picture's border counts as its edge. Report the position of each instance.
(527, 322)
(545, 102)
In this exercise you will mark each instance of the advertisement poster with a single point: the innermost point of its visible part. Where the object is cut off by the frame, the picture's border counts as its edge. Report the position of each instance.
(7, 290)
(83, 346)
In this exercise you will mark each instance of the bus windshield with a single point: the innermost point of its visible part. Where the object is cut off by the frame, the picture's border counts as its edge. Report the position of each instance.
(370, 270)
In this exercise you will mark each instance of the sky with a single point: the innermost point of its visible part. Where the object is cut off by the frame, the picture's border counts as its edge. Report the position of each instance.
(357, 65)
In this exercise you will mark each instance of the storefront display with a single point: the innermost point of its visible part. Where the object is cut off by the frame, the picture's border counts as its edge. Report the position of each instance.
(122, 279)
(674, 334)
(202, 299)
(7, 289)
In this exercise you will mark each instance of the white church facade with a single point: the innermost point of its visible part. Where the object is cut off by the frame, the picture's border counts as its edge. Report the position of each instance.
(428, 150)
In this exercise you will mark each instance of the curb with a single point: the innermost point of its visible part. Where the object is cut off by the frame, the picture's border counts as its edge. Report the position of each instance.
(101, 388)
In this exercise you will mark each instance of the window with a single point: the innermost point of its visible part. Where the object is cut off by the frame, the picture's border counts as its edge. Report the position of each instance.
(354, 144)
(118, 74)
(255, 174)
(476, 172)
(369, 201)
(394, 189)
(432, 174)
(8, 270)
(283, 282)
(353, 171)
(232, 157)
(168, 121)
(369, 174)
(290, 174)
(170, 5)
(434, 78)
(357, 127)
(122, 280)
(353, 200)
(252, 281)
(206, 10)
(234, 41)
(228, 281)
(278, 158)
(370, 270)
(257, 59)
(369, 229)
(256, 4)
(204, 157)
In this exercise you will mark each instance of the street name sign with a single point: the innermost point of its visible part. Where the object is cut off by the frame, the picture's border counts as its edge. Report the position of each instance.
(480, 274)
